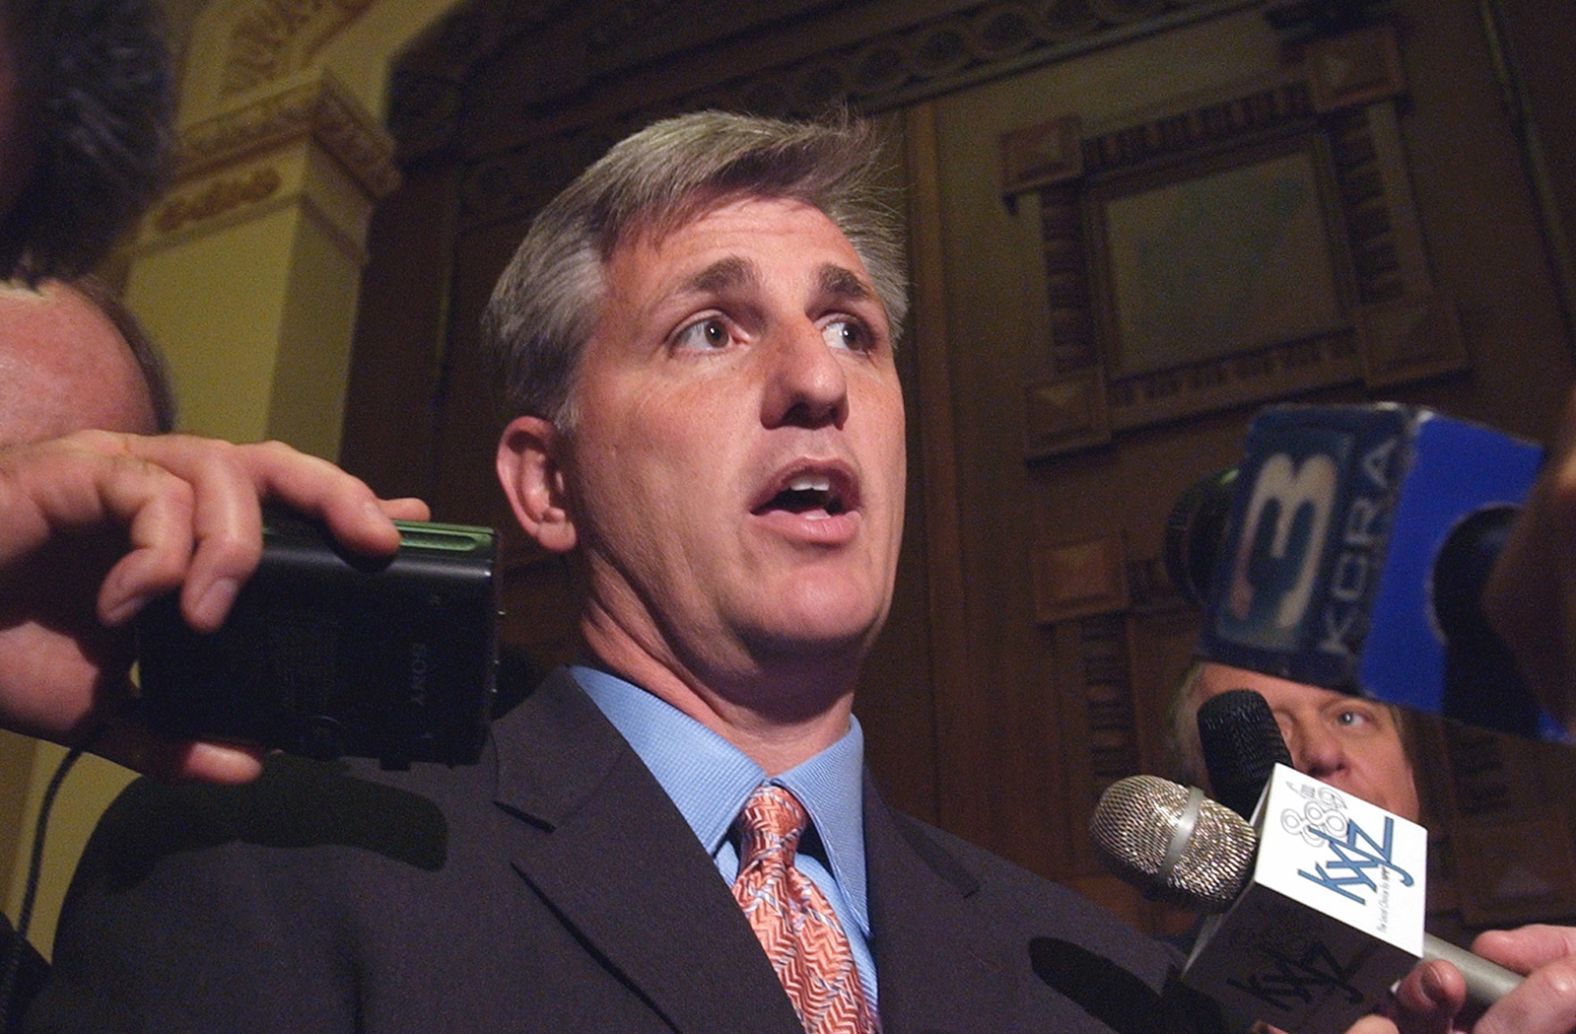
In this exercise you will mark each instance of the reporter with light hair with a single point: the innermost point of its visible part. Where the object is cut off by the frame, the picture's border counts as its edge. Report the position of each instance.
(1358, 746)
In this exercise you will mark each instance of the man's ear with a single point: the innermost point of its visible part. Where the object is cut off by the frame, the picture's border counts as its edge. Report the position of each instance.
(530, 451)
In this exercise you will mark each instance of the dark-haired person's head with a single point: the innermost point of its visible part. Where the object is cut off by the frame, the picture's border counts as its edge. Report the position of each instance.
(86, 98)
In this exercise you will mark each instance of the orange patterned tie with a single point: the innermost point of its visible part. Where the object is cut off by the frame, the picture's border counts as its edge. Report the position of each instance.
(794, 921)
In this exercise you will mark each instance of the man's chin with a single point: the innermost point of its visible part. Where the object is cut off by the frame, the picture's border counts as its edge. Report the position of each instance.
(817, 639)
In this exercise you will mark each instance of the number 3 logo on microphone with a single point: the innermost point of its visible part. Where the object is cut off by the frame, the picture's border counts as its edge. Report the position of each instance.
(1283, 491)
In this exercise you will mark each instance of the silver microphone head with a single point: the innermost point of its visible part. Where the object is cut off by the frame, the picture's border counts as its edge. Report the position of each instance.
(1140, 830)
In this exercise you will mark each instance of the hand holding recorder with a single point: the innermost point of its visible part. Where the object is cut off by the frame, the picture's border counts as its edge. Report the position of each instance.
(94, 525)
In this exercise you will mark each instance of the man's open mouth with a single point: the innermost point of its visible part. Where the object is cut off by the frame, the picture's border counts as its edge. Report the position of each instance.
(812, 493)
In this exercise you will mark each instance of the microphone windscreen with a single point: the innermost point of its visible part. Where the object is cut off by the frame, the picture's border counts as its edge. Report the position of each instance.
(1195, 531)
(1242, 743)
(1136, 827)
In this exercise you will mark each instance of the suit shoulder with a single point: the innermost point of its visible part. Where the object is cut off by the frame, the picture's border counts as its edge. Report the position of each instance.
(962, 862)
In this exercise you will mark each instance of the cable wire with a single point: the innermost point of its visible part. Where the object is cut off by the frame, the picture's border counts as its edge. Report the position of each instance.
(18, 946)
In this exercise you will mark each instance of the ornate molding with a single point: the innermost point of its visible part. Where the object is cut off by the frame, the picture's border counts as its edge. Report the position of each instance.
(1410, 338)
(1230, 121)
(1065, 414)
(217, 198)
(276, 37)
(1042, 155)
(1355, 69)
(561, 48)
(881, 72)
(1328, 123)
(321, 110)
(976, 41)
(630, 20)
(1298, 21)
(1079, 579)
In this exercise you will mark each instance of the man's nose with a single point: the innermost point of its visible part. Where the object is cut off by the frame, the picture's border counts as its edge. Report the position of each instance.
(806, 384)
(1317, 750)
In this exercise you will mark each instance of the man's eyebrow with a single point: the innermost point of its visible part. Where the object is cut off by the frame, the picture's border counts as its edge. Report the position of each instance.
(841, 282)
(722, 275)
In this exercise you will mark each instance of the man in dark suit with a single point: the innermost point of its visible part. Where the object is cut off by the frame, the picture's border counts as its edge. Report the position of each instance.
(696, 342)
(695, 346)
(553, 888)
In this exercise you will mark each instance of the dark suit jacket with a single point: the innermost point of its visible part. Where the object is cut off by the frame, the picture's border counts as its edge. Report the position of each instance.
(553, 887)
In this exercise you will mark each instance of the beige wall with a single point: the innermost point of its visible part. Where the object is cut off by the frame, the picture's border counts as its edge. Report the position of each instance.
(247, 273)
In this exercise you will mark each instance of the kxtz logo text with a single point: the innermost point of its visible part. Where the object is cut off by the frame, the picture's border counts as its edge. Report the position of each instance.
(1355, 857)
(1285, 980)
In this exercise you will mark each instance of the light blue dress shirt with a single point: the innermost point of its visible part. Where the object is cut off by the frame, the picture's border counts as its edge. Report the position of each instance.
(709, 779)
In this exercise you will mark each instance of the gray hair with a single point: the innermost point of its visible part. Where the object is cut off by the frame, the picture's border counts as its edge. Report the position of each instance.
(545, 305)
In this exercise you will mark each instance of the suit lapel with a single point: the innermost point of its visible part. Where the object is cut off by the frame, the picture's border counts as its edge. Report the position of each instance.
(937, 970)
(608, 851)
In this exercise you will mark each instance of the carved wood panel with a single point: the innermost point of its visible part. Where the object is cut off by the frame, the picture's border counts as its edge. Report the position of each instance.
(1327, 129)
(1039, 334)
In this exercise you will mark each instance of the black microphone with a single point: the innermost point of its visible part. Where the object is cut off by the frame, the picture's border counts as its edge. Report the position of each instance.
(1242, 744)
(1195, 532)
(1298, 961)
(1353, 555)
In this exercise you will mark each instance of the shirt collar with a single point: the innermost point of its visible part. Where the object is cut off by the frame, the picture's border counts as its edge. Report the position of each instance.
(830, 785)
(709, 779)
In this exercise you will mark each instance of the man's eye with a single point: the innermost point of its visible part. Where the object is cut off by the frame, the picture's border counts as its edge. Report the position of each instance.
(848, 334)
(1351, 718)
(707, 334)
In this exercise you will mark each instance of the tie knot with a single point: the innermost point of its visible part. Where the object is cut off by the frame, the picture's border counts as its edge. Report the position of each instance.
(773, 820)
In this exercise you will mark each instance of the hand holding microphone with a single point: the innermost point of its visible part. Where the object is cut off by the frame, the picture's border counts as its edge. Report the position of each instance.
(1430, 999)
(1335, 896)
(1181, 847)
(1304, 958)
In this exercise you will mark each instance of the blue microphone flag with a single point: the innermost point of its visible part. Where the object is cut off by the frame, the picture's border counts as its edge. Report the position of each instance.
(1329, 570)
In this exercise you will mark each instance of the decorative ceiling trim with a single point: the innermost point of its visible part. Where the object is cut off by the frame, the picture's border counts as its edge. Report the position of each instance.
(320, 109)
(979, 43)
(218, 198)
(881, 73)
(276, 37)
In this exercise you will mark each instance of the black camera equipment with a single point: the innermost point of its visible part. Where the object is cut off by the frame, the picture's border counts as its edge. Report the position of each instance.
(326, 653)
